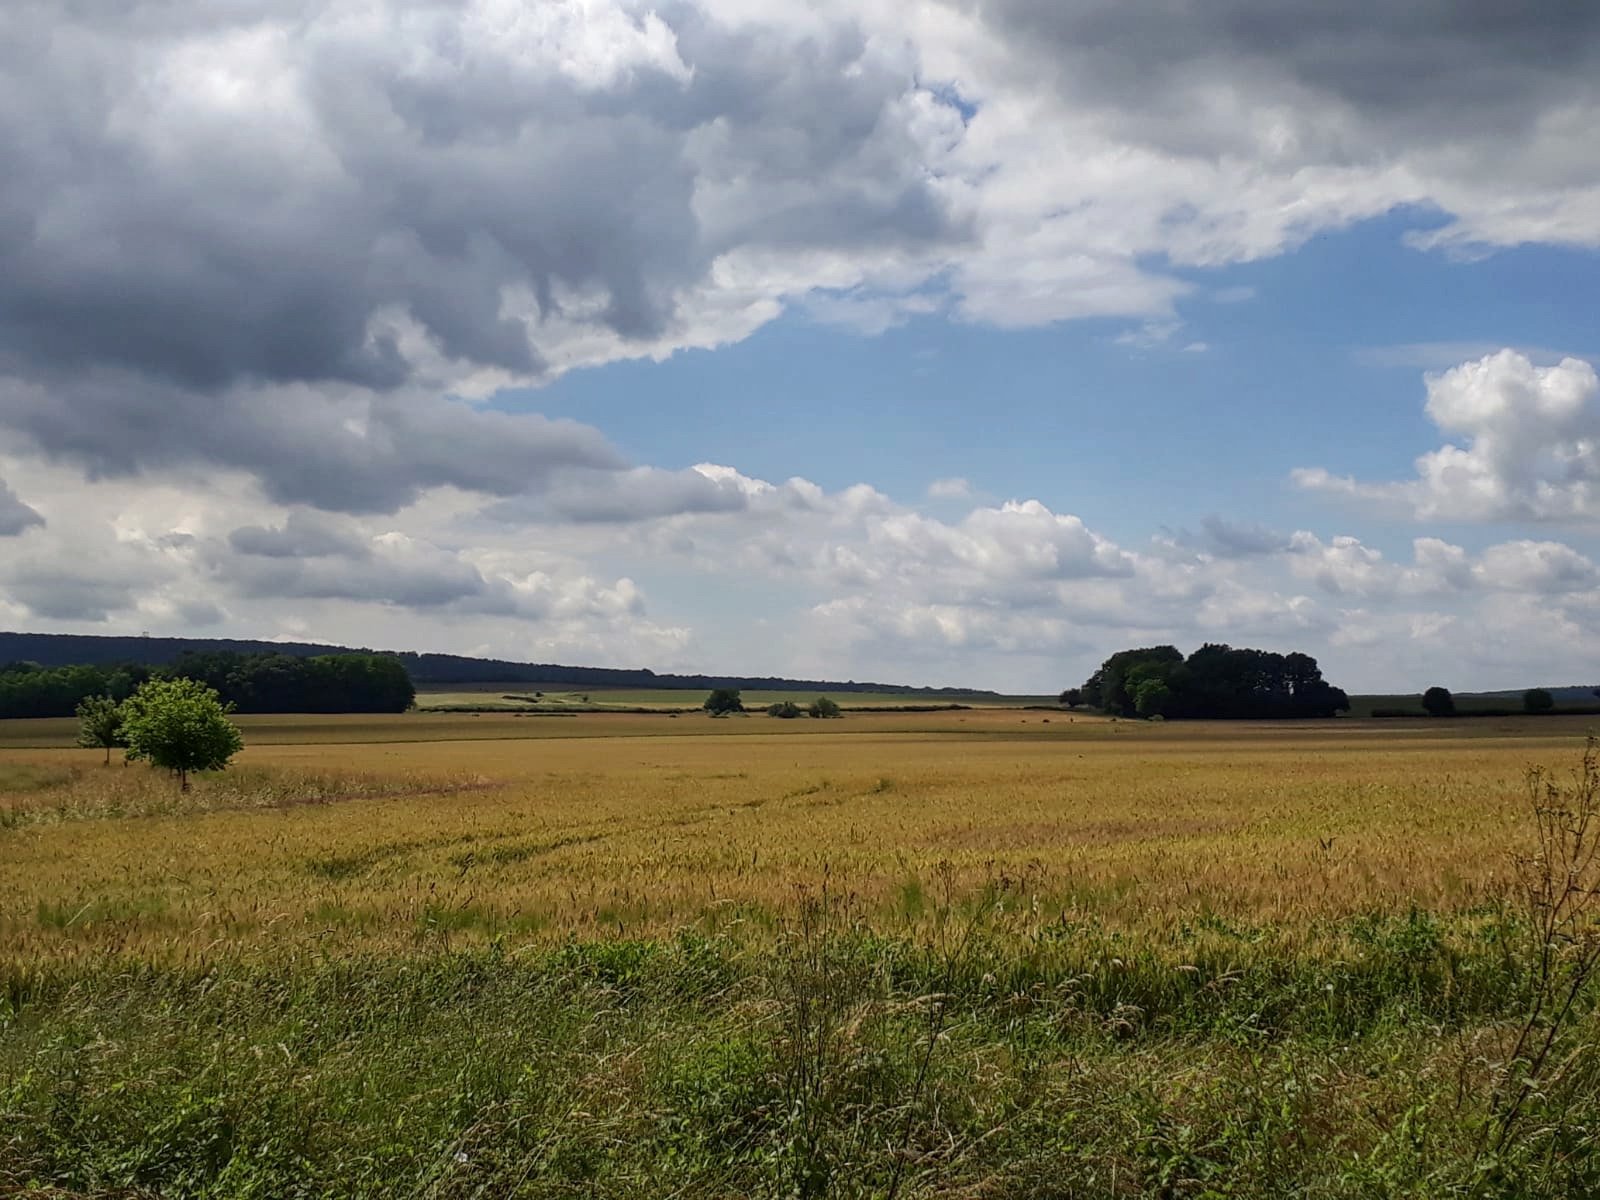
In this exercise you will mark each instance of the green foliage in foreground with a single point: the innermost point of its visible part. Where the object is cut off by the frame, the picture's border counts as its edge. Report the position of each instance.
(834, 1062)
(180, 725)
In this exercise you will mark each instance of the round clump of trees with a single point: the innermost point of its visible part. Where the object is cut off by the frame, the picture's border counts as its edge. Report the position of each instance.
(1438, 702)
(723, 701)
(1215, 681)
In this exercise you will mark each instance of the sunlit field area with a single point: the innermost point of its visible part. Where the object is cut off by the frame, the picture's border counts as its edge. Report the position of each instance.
(976, 953)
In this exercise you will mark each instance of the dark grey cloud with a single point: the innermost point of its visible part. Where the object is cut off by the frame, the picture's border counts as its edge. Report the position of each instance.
(640, 494)
(343, 449)
(1409, 74)
(404, 575)
(209, 207)
(1239, 539)
(84, 592)
(408, 159)
(15, 516)
(303, 561)
(302, 535)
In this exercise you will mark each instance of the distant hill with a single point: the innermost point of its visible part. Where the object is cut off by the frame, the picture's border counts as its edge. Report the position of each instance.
(63, 649)
(1572, 693)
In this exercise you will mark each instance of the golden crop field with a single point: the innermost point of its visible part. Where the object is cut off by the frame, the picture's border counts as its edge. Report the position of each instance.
(976, 954)
(331, 832)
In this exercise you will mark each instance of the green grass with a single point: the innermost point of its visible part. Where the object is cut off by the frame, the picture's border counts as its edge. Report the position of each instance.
(832, 1063)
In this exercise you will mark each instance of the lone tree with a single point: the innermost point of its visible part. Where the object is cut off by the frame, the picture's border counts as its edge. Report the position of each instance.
(1438, 702)
(100, 724)
(181, 725)
(823, 707)
(1537, 700)
(1072, 697)
(723, 701)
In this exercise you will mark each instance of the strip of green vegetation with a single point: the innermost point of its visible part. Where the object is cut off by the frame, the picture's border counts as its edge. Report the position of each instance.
(834, 1062)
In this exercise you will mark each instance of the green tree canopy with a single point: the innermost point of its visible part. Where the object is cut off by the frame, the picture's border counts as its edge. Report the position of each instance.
(100, 724)
(1215, 681)
(1537, 700)
(723, 701)
(824, 707)
(180, 724)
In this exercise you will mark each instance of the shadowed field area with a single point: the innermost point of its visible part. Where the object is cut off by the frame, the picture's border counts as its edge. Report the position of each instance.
(966, 953)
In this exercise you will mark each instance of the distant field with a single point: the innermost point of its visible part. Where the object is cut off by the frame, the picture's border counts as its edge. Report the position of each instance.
(563, 696)
(987, 953)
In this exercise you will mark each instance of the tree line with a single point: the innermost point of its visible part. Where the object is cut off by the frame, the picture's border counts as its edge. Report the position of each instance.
(65, 649)
(1216, 681)
(249, 683)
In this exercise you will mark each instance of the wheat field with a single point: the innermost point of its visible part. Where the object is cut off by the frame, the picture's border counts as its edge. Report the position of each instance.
(976, 954)
(1135, 824)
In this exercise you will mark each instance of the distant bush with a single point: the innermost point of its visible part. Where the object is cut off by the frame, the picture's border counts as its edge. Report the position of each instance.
(823, 707)
(1537, 700)
(723, 701)
(786, 709)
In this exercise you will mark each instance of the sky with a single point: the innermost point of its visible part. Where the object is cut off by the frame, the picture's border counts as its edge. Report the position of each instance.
(935, 342)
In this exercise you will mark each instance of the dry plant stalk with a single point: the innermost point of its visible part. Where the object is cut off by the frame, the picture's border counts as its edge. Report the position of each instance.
(1561, 879)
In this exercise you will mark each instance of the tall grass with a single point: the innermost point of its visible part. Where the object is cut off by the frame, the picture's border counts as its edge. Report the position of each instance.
(1009, 1026)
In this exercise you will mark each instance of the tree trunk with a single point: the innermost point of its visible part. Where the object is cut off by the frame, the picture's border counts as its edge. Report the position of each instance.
(108, 754)
(183, 780)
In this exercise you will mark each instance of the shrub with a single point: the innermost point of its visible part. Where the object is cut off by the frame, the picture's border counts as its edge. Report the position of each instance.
(787, 709)
(1537, 700)
(823, 707)
(723, 701)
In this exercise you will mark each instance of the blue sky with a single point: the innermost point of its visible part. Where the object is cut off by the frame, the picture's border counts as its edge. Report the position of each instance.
(929, 343)
(1334, 337)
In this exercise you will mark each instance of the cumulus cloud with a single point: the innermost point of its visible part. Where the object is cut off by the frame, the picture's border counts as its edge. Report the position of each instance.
(1355, 107)
(262, 265)
(1536, 567)
(270, 238)
(1529, 445)
(15, 516)
(1346, 566)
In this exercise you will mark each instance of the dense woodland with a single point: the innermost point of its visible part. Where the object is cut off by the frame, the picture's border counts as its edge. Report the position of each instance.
(1214, 681)
(253, 683)
(67, 649)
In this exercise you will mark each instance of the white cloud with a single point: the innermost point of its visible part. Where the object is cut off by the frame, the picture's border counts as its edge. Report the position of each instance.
(953, 488)
(1529, 449)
